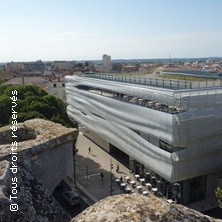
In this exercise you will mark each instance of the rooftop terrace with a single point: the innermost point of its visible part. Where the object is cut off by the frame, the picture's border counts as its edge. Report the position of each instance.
(158, 82)
(195, 73)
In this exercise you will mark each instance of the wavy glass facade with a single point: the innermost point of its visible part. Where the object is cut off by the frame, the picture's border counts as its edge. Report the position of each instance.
(188, 121)
(174, 132)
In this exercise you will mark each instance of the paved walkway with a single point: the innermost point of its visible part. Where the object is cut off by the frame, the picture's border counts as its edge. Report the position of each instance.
(92, 164)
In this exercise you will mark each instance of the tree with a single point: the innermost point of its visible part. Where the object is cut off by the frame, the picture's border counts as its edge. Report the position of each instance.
(5, 109)
(80, 65)
(1, 81)
(32, 102)
(218, 192)
(23, 116)
(86, 64)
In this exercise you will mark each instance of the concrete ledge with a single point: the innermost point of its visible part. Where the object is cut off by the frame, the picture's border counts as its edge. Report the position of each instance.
(47, 135)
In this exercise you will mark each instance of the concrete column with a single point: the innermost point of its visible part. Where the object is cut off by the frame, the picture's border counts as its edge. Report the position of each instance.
(131, 164)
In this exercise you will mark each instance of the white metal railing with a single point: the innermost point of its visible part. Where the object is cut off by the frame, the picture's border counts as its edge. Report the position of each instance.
(158, 82)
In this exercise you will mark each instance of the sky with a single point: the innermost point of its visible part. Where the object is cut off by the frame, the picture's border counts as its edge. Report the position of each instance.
(125, 29)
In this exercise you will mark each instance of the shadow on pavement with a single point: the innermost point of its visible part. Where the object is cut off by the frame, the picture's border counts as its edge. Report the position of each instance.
(88, 174)
(71, 210)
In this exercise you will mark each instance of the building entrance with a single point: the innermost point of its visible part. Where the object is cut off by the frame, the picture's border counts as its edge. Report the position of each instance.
(119, 155)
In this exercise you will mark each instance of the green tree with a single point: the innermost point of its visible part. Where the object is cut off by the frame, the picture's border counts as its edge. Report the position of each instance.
(32, 102)
(5, 109)
(23, 116)
(1, 81)
(218, 192)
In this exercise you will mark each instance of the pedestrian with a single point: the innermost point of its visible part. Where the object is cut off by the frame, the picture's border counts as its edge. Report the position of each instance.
(89, 150)
(101, 175)
(117, 168)
(121, 179)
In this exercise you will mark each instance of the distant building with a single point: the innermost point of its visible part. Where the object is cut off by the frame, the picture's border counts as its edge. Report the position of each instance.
(47, 74)
(57, 88)
(98, 68)
(34, 66)
(64, 65)
(209, 68)
(117, 67)
(25, 67)
(187, 63)
(209, 61)
(6, 75)
(39, 81)
(130, 68)
(14, 66)
(143, 68)
(170, 65)
(107, 63)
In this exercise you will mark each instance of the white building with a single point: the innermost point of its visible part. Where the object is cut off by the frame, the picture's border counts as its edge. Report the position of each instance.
(57, 88)
(166, 131)
(209, 68)
(107, 63)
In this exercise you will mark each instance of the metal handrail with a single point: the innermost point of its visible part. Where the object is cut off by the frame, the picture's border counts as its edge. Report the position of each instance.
(157, 82)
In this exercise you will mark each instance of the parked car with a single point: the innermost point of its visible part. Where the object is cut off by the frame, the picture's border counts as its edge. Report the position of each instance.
(72, 197)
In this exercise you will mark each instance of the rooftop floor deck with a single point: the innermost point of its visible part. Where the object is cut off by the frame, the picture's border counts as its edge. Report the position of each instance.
(158, 82)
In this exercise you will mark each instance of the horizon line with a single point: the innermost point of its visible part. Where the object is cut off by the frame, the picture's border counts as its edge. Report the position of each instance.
(113, 59)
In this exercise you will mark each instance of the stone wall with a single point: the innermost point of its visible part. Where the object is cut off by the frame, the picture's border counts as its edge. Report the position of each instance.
(44, 158)
(138, 208)
(53, 166)
(35, 203)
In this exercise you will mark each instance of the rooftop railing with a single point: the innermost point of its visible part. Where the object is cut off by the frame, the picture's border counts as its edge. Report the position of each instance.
(158, 82)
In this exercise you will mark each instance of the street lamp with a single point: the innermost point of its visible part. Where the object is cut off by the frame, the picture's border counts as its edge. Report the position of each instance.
(111, 178)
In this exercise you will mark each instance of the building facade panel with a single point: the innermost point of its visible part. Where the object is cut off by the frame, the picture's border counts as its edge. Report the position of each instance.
(177, 146)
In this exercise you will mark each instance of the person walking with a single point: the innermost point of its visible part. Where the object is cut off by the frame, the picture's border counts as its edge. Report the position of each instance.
(117, 168)
(89, 150)
(102, 176)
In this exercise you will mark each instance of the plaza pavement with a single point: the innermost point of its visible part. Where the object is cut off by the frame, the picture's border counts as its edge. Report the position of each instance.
(92, 164)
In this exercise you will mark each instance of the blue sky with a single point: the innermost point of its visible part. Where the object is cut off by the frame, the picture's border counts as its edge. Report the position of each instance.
(86, 29)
